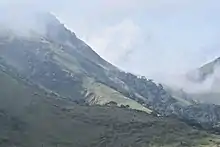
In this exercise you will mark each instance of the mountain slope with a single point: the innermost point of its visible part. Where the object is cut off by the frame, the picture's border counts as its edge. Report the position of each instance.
(208, 77)
(52, 65)
(30, 116)
(204, 72)
(59, 62)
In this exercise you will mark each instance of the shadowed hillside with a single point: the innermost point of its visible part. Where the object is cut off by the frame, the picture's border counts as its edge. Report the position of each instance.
(29, 116)
(46, 78)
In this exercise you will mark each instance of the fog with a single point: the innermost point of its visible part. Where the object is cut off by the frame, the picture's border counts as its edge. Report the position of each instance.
(21, 22)
(193, 83)
(158, 39)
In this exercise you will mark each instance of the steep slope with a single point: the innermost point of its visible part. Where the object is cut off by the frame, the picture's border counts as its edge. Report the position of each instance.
(204, 99)
(30, 116)
(209, 68)
(181, 95)
(207, 76)
(203, 73)
(57, 67)
(59, 62)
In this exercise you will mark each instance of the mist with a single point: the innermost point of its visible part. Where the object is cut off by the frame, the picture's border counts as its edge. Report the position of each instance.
(162, 41)
(21, 22)
(206, 90)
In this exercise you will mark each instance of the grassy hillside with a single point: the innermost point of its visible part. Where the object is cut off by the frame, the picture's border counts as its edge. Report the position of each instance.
(103, 94)
(63, 64)
(32, 117)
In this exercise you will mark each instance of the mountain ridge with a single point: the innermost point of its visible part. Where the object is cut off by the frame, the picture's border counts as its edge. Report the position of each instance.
(42, 118)
(204, 72)
(61, 63)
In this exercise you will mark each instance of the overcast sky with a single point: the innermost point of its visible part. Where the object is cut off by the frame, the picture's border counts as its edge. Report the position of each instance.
(146, 37)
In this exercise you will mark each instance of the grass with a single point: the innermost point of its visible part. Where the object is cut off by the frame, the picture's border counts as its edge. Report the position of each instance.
(30, 117)
(104, 94)
(66, 61)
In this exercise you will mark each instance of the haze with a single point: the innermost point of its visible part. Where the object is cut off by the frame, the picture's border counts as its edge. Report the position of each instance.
(155, 38)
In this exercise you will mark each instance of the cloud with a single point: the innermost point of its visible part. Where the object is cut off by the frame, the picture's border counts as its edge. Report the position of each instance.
(210, 85)
(21, 17)
(166, 37)
(148, 37)
(116, 43)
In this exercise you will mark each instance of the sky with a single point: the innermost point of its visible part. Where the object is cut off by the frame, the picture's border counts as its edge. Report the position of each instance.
(146, 37)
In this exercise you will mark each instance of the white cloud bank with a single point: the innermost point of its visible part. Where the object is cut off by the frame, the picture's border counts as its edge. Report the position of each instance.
(156, 38)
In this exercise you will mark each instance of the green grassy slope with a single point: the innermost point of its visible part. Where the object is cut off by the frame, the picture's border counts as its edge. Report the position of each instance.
(103, 94)
(61, 62)
(31, 117)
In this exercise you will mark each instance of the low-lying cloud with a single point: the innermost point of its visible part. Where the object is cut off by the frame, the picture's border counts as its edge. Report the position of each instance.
(194, 83)
(160, 39)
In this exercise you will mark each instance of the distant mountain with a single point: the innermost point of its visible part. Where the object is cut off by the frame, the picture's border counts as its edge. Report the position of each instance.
(60, 63)
(207, 76)
(203, 73)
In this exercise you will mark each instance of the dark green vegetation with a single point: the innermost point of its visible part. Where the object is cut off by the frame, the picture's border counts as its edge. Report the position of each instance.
(32, 117)
(55, 90)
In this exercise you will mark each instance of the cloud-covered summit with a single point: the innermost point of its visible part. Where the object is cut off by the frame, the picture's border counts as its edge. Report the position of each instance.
(142, 36)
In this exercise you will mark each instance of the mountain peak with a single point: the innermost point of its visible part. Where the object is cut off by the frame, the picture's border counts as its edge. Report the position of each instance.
(205, 71)
(66, 67)
(217, 60)
(29, 23)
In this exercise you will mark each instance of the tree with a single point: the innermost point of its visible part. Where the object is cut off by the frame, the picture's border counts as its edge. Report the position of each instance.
(111, 103)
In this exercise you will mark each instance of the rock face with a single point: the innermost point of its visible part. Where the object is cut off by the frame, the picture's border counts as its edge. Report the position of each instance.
(61, 63)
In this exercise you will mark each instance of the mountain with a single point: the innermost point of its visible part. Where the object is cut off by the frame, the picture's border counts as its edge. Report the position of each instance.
(209, 68)
(56, 61)
(62, 63)
(204, 99)
(204, 72)
(207, 76)
(32, 116)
